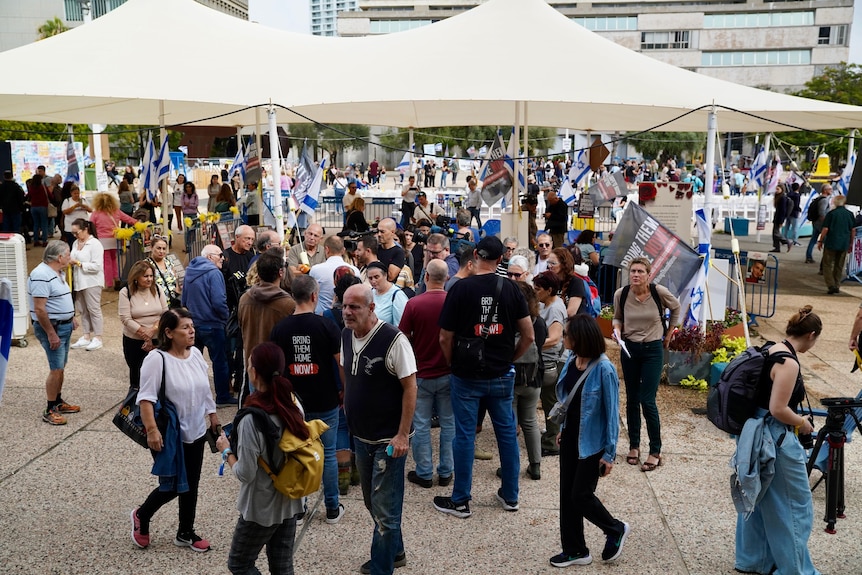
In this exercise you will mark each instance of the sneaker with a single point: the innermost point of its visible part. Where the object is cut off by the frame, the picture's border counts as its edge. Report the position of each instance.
(138, 538)
(300, 517)
(400, 561)
(333, 516)
(444, 481)
(446, 505)
(82, 342)
(53, 417)
(413, 477)
(64, 407)
(564, 560)
(192, 541)
(614, 544)
(94, 345)
(481, 454)
(534, 471)
(229, 402)
(507, 505)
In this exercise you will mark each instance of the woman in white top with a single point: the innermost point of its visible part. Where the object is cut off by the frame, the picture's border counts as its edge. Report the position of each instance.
(73, 208)
(141, 305)
(185, 373)
(177, 202)
(88, 276)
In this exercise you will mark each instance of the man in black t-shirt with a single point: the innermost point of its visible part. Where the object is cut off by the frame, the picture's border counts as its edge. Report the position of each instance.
(556, 218)
(473, 310)
(312, 348)
(389, 252)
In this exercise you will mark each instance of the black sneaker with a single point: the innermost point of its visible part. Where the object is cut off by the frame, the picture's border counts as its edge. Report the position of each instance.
(192, 541)
(507, 505)
(564, 560)
(333, 516)
(446, 505)
(413, 477)
(444, 481)
(400, 561)
(614, 544)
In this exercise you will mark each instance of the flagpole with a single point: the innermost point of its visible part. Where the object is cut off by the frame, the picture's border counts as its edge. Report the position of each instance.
(278, 205)
(412, 159)
(525, 154)
(851, 145)
(166, 200)
(709, 177)
(766, 142)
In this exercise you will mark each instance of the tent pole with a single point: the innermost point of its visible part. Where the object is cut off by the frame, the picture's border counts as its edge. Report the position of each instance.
(278, 206)
(166, 206)
(516, 170)
(410, 146)
(97, 154)
(709, 168)
(517, 205)
(766, 142)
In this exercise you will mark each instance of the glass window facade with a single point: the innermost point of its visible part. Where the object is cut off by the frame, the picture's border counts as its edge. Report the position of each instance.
(389, 26)
(668, 40)
(756, 58)
(608, 23)
(758, 19)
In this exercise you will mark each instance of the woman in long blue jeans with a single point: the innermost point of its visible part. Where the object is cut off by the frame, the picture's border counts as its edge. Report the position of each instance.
(774, 538)
(639, 311)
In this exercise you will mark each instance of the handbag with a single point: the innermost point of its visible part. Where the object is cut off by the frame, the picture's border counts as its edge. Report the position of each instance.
(173, 299)
(468, 353)
(52, 210)
(561, 408)
(128, 418)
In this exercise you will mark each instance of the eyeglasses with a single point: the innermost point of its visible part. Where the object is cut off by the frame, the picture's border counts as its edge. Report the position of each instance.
(553, 264)
(544, 245)
(514, 275)
(434, 253)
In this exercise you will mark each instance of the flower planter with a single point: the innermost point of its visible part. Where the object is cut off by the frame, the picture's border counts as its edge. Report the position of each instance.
(715, 371)
(681, 364)
(737, 330)
(606, 325)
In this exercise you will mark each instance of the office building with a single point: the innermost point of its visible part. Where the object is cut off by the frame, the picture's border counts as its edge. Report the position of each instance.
(325, 13)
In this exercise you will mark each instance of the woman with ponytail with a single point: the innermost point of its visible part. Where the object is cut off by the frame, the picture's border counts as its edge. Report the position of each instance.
(267, 517)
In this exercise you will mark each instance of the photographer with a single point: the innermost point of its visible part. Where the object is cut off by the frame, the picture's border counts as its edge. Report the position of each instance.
(774, 531)
(425, 211)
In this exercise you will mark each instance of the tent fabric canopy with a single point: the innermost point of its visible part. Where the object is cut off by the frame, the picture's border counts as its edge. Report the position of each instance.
(200, 63)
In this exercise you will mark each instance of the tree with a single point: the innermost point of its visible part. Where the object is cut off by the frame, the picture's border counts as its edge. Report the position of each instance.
(841, 84)
(465, 136)
(333, 138)
(665, 145)
(51, 27)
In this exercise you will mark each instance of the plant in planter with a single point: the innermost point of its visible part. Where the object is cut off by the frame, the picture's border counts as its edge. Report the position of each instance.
(730, 348)
(733, 323)
(690, 351)
(605, 320)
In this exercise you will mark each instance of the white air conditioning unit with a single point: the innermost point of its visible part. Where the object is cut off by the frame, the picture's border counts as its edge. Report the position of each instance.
(13, 266)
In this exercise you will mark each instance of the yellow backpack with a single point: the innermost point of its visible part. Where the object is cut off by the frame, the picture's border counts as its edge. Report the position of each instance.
(303, 462)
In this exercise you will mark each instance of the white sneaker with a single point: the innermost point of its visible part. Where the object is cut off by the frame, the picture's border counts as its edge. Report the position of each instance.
(82, 342)
(94, 345)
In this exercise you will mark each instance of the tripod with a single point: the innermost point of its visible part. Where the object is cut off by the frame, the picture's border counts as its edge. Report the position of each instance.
(835, 435)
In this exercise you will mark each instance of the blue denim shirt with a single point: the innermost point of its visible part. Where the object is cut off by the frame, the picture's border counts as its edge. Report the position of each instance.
(169, 463)
(599, 427)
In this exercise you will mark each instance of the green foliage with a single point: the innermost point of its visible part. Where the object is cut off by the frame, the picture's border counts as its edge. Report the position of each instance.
(41, 131)
(666, 145)
(50, 28)
(692, 340)
(465, 136)
(841, 84)
(607, 312)
(730, 348)
(691, 383)
(732, 317)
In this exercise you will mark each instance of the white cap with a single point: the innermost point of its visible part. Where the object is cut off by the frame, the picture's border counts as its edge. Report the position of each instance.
(582, 269)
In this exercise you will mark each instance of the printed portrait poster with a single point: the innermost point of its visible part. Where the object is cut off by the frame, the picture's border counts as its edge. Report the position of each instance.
(756, 268)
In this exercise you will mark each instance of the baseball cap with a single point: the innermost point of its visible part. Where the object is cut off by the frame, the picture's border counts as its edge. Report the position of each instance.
(490, 248)
(421, 195)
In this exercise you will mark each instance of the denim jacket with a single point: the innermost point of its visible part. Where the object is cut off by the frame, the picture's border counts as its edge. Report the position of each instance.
(599, 426)
(169, 463)
(753, 463)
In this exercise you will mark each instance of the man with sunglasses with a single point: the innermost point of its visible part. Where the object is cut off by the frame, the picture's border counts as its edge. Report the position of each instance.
(510, 244)
(544, 245)
(205, 296)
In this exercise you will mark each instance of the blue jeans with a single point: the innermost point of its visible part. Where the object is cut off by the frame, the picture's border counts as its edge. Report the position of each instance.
(809, 252)
(40, 223)
(433, 395)
(497, 395)
(330, 465)
(215, 340)
(57, 358)
(776, 533)
(791, 229)
(382, 479)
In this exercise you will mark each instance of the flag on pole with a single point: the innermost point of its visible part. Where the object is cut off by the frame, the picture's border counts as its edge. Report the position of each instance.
(776, 176)
(163, 162)
(73, 172)
(495, 175)
(305, 173)
(580, 168)
(758, 170)
(7, 315)
(312, 196)
(694, 299)
(148, 172)
(252, 163)
(238, 164)
(844, 182)
(404, 164)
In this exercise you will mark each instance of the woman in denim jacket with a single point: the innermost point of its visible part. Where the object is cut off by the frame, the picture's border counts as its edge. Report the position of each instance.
(588, 444)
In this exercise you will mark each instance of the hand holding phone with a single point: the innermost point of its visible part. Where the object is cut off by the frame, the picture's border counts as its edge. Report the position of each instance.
(211, 435)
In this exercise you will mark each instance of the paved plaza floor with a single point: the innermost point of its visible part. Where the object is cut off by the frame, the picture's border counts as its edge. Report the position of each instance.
(66, 492)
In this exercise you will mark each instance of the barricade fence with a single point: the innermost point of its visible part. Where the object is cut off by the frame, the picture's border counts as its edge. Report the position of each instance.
(760, 279)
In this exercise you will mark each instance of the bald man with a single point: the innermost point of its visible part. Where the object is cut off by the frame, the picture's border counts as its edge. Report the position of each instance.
(313, 251)
(389, 252)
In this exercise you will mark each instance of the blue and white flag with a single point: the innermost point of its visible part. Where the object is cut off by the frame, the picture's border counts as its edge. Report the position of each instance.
(495, 175)
(238, 165)
(404, 164)
(149, 186)
(305, 173)
(580, 168)
(694, 299)
(844, 183)
(163, 162)
(7, 316)
(776, 176)
(758, 170)
(312, 197)
(73, 172)
(512, 152)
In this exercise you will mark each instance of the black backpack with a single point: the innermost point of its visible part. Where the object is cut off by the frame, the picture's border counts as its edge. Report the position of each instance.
(814, 209)
(731, 401)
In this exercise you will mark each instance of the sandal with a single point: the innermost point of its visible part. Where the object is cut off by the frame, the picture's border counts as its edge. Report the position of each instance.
(648, 466)
(633, 459)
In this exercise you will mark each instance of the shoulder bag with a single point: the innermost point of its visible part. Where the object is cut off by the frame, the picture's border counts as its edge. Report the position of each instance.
(561, 408)
(468, 353)
(128, 418)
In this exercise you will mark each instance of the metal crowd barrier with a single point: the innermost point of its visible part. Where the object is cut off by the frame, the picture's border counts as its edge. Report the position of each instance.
(760, 297)
(330, 213)
(220, 233)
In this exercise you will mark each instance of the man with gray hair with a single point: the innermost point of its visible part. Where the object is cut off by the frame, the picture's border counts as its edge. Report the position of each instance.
(333, 248)
(237, 260)
(510, 244)
(53, 315)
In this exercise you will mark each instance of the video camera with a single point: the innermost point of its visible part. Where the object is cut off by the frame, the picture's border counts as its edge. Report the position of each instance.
(352, 237)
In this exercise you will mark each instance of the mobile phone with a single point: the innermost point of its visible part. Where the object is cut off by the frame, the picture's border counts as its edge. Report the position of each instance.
(227, 428)
(212, 435)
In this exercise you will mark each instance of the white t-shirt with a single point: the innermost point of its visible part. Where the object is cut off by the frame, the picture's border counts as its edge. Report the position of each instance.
(400, 360)
(75, 214)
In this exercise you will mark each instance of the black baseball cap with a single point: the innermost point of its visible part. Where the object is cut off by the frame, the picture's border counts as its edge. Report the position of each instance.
(490, 248)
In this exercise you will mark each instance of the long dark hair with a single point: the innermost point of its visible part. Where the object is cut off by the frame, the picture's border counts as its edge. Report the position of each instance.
(170, 320)
(268, 361)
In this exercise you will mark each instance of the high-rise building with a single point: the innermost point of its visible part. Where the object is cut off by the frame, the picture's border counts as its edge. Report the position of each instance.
(778, 44)
(324, 15)
(19, 21)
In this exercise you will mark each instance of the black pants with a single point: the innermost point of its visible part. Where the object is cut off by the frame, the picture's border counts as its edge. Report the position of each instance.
(578, 501)
(193, 455)
(134, 359)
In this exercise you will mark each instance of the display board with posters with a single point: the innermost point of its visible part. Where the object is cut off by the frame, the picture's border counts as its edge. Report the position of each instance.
(670, 203)
(27, 155)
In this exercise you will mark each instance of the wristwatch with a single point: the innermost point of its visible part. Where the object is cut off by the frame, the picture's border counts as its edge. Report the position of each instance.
(226, 453)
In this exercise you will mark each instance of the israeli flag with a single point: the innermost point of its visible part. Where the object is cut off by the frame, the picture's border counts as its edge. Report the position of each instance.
(758, 170)
(238, 164)
(580, 168)
(694, 297)
(73, 172)
(7, 313)
(844, 183)
(404, 164)
(148, 181)
(163, 162)
(312, 195)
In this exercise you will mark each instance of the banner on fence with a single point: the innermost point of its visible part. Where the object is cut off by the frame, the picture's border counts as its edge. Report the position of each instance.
(854, 266)
(639, 234)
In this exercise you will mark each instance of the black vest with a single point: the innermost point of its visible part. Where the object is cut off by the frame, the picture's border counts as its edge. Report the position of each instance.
(372, 398)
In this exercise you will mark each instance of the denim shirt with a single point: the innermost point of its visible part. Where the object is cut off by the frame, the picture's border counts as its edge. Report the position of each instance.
(599, 425)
